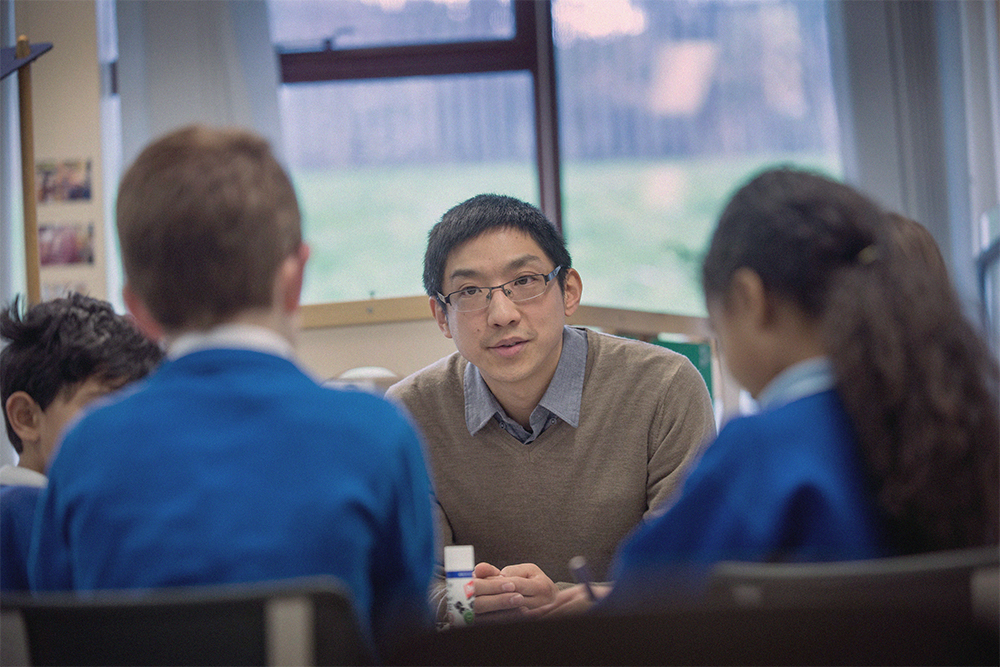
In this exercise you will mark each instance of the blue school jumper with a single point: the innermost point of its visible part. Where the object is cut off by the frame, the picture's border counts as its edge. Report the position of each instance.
(233, 465)
(786, 484)
(17, 516)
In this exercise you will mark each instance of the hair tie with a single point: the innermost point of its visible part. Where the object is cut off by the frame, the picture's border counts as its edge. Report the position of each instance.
(867, 255)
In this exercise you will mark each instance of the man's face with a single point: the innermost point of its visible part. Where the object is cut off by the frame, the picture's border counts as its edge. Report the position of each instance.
(516, 346)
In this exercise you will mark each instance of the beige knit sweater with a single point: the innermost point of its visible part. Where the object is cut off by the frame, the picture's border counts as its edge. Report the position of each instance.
(644, 416)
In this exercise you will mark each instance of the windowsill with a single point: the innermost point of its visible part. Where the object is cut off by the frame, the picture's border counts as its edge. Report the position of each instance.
(368, 311)
(414, 308)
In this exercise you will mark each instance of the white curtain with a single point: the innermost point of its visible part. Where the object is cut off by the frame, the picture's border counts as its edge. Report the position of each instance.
(917, 85)
(12, 280)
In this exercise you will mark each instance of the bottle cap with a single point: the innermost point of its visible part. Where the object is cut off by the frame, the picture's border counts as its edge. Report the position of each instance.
(460, 558)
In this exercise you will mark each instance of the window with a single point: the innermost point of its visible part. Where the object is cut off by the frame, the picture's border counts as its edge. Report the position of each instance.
(395, 110)
(665, 108)
(377, 162)
(381, 140)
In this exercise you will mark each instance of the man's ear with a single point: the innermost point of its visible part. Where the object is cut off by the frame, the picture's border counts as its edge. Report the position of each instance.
(140, 313)
(572, 291)
(24, 415)
(440, 314)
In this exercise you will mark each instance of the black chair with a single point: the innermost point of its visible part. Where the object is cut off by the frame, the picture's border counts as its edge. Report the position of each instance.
(914, 610)
(943, 580)
(307, 621)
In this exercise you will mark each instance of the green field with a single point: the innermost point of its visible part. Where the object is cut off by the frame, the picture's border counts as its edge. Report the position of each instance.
(636, 229)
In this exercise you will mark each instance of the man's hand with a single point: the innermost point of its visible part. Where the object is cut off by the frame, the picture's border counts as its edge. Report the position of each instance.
(573, 600)
(512, 591)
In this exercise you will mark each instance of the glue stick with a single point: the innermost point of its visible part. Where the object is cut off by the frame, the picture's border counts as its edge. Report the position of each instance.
(459, 562)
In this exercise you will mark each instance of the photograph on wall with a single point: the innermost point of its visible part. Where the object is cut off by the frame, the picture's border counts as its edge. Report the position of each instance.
(66, 180)
(65, 243)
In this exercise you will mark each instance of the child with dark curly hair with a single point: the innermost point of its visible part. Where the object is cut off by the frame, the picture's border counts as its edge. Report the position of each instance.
(60, 356)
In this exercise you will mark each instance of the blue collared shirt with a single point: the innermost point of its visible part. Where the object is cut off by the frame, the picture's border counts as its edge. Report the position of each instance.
(560, 401)
(802, 379)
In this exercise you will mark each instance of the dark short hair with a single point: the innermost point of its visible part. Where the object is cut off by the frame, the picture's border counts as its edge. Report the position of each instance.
(205, 218)
(58, 344)
(481, 214)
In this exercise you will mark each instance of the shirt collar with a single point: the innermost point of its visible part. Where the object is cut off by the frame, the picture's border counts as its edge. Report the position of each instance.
(805, 378)
(231, 337)
(18, 476)
(562, 397)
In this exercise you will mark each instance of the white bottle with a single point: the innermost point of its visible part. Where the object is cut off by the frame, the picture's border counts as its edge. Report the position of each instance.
(459, 562)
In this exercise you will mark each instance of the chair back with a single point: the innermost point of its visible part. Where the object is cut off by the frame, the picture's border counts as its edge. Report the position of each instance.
(309, 621)
(945, 580)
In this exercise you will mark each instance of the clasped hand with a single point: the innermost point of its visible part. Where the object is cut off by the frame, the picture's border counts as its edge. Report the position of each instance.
(511, 592)
(525, 591)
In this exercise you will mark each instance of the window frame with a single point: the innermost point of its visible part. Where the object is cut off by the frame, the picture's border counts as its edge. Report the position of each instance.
(529, 50)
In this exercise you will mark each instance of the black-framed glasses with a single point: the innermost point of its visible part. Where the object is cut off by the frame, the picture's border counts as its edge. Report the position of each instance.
(519, 289)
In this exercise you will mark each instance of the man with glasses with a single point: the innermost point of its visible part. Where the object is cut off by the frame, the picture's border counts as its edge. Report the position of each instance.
(545, 441)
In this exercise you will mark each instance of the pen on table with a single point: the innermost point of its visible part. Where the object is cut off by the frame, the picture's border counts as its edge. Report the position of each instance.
(578, 566)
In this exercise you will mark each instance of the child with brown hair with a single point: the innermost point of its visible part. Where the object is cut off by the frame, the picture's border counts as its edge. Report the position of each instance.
(231, 464)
